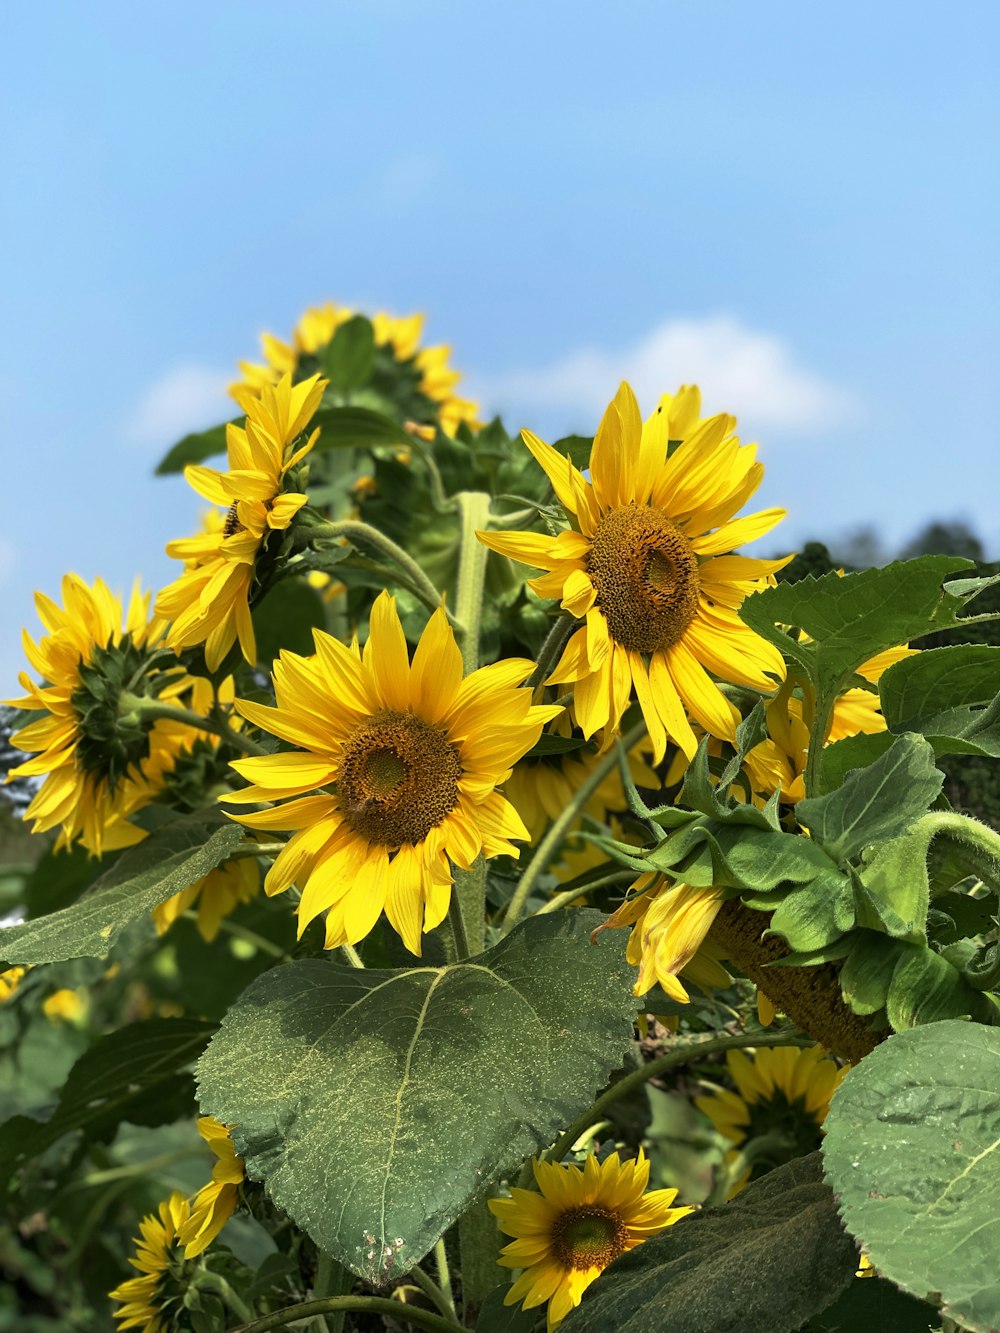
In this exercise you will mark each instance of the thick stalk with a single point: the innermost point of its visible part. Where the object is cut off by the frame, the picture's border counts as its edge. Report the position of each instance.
(818, 732)
(810, 996)
(444, 1275)
(977, 844)
(352, 955)
(432, 1291)
(364, 534)
(461, 943)
(209, 1281)
(474, 513)
(682, 1055)
(374, 1305)
(332, 1279)
(550, 844)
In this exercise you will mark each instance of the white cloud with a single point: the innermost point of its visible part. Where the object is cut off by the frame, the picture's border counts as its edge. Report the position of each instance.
(740, 370)
(185, 399)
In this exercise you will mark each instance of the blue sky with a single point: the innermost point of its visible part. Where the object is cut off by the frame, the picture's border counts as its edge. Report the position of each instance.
(794, 204)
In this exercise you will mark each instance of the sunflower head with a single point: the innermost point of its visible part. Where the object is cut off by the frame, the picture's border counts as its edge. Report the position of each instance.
(394, 776)
(646, 562)
(215, 1203)
(213, 897)
(581, 1219)
(776, 1111)
(101, 759)
(150, 1301)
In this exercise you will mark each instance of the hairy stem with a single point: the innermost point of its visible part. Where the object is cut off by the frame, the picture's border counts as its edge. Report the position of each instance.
(153, 709)
(432, 1291)
(682, 1055)
(474, 513)
(364, 534)
(551, 649)
(374, 1305)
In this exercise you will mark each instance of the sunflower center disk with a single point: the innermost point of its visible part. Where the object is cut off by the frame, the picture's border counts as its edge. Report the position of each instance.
(646, 576)
(588, 1237)
(398, 779)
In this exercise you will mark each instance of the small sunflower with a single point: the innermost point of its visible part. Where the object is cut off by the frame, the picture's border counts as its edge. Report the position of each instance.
(210, 602)
(100, 765)
(647, 563)
(215, 1203)
(782, 1091)
(65, 1006)
(583, 1218)
(670, 925)
(149, 1302)
(217, 894)
(396, 774)
(398, 335)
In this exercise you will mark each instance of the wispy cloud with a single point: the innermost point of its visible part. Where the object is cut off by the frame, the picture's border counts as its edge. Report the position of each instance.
(187, 398)
(739, 370)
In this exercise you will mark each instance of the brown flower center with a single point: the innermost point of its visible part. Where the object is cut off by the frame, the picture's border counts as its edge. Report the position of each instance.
(398, 779)
(588, 1236)
(646, 576)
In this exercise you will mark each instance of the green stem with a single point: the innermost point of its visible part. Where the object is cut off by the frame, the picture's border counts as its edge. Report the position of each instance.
(662, 1065)
(352, 955)
(152, 709)
(244, 933)
(570, 895)
(551, 649)
(550, 844)
(479, 1244)
(457, 918)
(229, 733)
(822, 715)
(474, 514)
(332, 1279)
(356, 531)
(977, 844)
(432, 1291)
(443, 503)
(374, 1305)
(444, 1276)
(210, 1281)
(136, 1169)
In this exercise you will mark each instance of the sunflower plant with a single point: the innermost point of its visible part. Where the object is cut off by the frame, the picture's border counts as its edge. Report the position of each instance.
(476, 893)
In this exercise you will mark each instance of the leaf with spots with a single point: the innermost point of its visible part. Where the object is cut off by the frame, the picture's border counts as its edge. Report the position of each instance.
(912, 1149)
(375, 1105)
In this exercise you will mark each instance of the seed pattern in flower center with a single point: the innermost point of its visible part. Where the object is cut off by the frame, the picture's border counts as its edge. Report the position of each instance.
(646, 576)
(588, 1236)
(398, 779)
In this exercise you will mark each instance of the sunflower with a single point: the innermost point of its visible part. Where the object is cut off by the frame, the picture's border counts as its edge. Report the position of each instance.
(100, 765)
(670, 925)
(647, 564)
(583, 1218)
(210, 602)
(400, 336)
(783, 1091)
(402, 762)
(65, 1006)
(217, 894)
(215, 1203)
(147, 1301)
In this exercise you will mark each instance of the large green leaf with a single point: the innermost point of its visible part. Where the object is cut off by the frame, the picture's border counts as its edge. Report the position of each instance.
(167, 862)
(950, 695)
(193, 449)
(851, 618)
(357, 426)
(133, 1074)
(763, 1263)
(375, 1105)
(349, 358)
(912, 1149)
(876, 802)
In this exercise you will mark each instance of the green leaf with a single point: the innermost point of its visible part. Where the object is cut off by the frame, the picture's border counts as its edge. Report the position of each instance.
(815, 915)
(193, 449)
(866, 975)
(375, 1105)
(851, 618)
(950, 695)
(286, 618)
(495, 1317)
(876, 802)
(166, 863)
(852, 752)
(59, 879)
(872, 1305)
(927, 988)
(892, 891)
(357, 427)
(349, 358)
(763, 1263)
(132, 1075)
(912, 1149)
(740, 856)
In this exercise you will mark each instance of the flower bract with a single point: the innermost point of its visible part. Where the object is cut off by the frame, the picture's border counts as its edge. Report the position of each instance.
(145, 1301)
(215, 1203)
